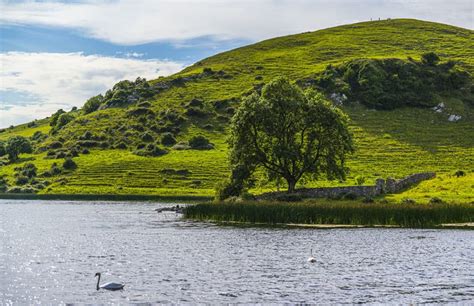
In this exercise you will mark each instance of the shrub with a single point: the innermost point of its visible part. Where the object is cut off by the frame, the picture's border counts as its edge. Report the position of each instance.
(92, 104)
(17, 145)
(140, 111)
(144, 104)
(85, 151)
(459, 173)
(147, 137)
(55, 145)
(21, 180)
(2, 149)
(38, 136)
(54, 117)
(226, 189)
(196, 112)
(121, 145)
(63, 120)
(195, 103)
(200, 142)
(88, 143)
(28, 170)
(360, 180)
(3, 184)
(167, 139)
(430, 59)
(69, 164)
(150, 150)
(86, 136)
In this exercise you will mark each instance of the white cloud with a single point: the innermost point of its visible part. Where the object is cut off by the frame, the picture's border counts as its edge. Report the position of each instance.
(63, 80)
(133, 22)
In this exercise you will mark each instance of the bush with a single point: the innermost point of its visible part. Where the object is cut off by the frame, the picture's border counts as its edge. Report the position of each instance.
(16, 145)
(85, 151)
(196, 112)
(360, 180)
(195, 103)
(86, 136)
(430, 59)
(21, 180)
(459, 173)
(2, 149)
(55, 145)
(54, 117)
(227, 189)
(167, 139)
(150, 150)
(140, 111)
(147, 137)
(62, 121)
(121, 145)
(200, 142)
(69, 164)
(3, 184)
(92, 104)
(28, 170)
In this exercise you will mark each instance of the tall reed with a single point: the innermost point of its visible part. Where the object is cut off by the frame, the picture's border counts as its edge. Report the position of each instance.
(352, 213)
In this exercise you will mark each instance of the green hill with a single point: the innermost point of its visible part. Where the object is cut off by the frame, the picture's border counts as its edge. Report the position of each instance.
(123, 136)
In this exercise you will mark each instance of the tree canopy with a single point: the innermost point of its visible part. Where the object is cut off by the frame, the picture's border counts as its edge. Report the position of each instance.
(289, 133)
(17, 145)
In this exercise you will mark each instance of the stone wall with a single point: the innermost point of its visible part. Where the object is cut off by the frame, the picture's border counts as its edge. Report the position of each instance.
(381, 187)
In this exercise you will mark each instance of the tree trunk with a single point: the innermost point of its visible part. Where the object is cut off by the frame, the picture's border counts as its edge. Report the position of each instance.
(291, 184)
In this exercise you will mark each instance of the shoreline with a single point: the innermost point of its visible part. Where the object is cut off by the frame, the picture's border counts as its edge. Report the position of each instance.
(461, 226)
(102, 197)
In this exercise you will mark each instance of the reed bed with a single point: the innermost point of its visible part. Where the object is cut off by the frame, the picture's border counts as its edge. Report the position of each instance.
(350, 213)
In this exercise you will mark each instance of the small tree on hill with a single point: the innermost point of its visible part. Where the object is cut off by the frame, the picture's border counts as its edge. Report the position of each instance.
(17, 145)
(430, 59)
(289, 133)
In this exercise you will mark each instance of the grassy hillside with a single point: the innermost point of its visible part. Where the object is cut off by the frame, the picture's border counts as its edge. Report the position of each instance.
(389, 143)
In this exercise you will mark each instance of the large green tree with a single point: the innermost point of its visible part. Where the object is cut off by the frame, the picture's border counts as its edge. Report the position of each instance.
(17, 145)
(290, 134)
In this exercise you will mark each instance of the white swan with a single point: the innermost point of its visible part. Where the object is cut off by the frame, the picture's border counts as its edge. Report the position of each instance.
(108, 286)
(311, 258)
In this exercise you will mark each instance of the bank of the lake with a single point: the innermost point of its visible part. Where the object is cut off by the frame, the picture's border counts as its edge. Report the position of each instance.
(337, 213)
(104, 197)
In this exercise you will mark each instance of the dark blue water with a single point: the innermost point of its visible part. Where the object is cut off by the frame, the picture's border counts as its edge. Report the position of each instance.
(50, 251)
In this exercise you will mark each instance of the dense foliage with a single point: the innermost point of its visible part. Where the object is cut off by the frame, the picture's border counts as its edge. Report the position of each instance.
(393, 83)
(290, 134)
(17, 145)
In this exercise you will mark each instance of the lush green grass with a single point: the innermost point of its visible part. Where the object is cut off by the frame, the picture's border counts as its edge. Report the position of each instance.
(353, 213)
(389, 143)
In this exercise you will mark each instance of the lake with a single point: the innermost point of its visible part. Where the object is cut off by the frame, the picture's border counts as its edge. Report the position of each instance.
(50, 251)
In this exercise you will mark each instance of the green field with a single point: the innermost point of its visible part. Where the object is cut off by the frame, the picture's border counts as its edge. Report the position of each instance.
(388, 143)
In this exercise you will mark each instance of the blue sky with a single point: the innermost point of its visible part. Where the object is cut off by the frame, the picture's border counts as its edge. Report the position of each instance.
(56, 54)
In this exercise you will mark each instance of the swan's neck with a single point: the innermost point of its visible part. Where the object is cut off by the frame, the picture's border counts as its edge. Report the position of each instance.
(98, 281)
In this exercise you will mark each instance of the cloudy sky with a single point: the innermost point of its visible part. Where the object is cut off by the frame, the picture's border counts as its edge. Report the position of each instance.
(56, 54)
